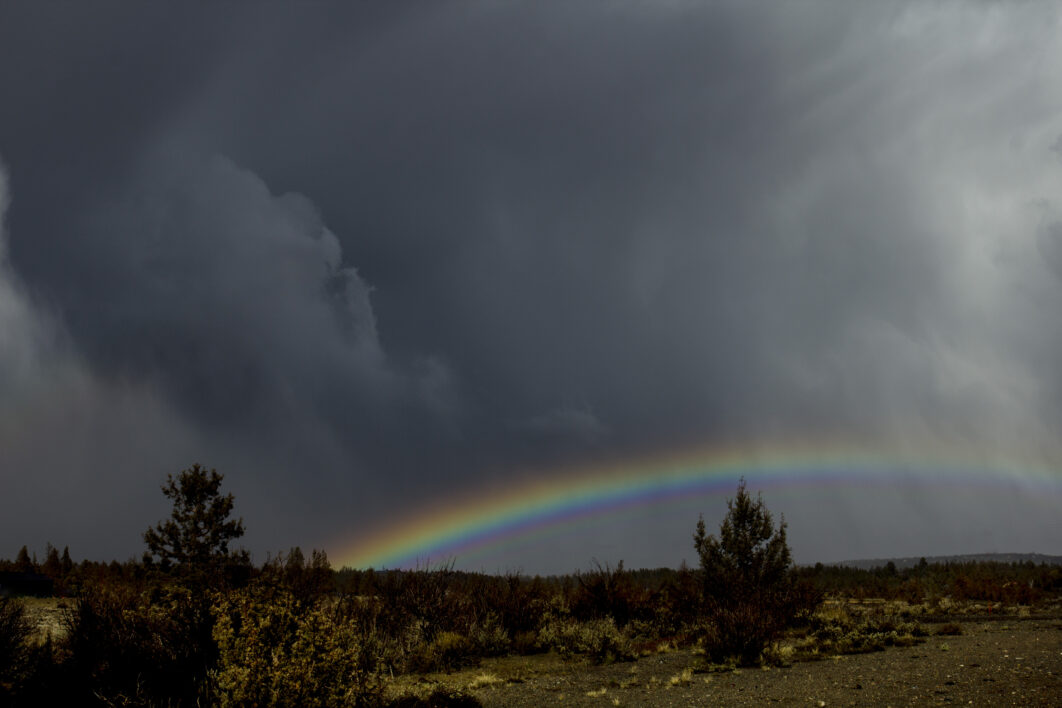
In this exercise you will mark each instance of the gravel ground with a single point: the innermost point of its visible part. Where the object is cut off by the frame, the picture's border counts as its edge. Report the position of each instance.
(1014, 663)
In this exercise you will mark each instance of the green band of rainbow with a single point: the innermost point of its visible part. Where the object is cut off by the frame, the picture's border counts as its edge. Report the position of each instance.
(478, 522)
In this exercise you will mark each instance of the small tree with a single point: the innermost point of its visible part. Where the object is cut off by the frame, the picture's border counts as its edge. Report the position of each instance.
(23, 564)
(195, 539)
(52, 566)
(748, 587)
(66, 564)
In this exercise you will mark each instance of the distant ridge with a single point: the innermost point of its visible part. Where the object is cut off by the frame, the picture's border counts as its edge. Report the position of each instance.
(901, 563)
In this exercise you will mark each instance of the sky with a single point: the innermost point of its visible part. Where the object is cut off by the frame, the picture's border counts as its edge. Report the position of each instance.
(365, 258)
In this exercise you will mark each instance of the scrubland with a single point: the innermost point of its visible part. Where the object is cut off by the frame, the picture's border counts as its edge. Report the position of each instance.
(298, 633)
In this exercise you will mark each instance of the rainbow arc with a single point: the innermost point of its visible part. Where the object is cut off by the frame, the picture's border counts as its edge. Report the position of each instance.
(477, 523)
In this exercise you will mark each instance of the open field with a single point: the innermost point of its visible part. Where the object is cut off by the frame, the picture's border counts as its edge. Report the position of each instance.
(1008, 661)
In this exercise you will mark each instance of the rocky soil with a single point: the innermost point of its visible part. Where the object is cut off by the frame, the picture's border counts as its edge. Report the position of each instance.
(1016, 662)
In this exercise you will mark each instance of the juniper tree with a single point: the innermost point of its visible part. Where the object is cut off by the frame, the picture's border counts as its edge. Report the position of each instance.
(23, 564)
(194, 541)
(748, 587)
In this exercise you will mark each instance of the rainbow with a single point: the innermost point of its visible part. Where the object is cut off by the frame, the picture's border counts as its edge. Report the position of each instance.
(477, 522)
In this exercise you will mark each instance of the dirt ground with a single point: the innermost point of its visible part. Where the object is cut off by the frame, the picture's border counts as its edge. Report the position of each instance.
(1017, 662)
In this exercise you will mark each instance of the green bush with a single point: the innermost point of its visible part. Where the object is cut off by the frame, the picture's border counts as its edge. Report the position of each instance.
(841, 633)
(447, 651)
(599, 640)
(276, 651)
(489, 638)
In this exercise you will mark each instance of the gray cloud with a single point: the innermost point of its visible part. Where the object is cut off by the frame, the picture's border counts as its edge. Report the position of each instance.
(79, 455)
(240, 293)
(365, 257)
(578, 423)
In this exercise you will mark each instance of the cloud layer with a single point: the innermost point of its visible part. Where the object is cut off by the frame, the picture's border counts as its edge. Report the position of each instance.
(361, 258)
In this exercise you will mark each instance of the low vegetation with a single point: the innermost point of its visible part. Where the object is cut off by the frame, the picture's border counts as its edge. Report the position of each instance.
(195, 623)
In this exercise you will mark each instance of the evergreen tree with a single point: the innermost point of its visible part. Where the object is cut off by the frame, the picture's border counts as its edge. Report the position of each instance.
(66, 564)
(747, 580)
(23, 564)
(52, 567)
(194, 541)
(294, 563)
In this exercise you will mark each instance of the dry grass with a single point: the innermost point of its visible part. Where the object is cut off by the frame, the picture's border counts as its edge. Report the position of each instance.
(484, 680)
(46, 614)
(682, 678)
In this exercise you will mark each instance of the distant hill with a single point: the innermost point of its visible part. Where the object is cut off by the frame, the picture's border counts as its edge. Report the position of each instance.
(901, 563)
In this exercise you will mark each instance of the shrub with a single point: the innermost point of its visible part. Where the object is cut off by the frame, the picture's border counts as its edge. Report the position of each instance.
(15, 631)
(422, 597)
(604, 592)
(125, 647)
(677, 605)
(489, 638)
(274, 651)
(839, 632)
(308, 582)
(518, 604)
(599, 640)
(448, 651)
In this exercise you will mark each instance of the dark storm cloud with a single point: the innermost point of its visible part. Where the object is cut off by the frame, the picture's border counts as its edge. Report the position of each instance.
(70, 445)
(371, 254)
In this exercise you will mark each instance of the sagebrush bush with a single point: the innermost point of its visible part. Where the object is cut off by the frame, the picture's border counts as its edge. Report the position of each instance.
(841, 633)
(517, 604)
(604, 592)
(489, 638)
(277, 651)
(599, 640)
(426, 598)
(447, 651)
(677, 606)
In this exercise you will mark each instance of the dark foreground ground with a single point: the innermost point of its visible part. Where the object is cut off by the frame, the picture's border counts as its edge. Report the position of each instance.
(1013, 662)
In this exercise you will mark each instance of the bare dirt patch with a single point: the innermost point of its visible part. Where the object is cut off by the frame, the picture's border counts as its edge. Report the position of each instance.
(1013, 662)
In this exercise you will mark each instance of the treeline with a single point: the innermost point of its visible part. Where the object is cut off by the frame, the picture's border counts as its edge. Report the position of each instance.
(630, 590)
(1021, 583)
(25, 575)
(61, 576)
